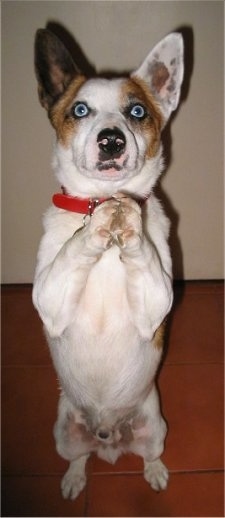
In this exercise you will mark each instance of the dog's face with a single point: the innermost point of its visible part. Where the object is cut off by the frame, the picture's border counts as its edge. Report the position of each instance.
(108, 130)
(111, 133)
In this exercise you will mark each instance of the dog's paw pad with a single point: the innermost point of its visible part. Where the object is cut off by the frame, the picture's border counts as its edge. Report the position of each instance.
(72, 484)
(126, 225)
(156, 474)
(115, 222)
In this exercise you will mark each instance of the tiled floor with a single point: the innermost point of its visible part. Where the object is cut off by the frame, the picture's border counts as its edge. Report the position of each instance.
(191, 386)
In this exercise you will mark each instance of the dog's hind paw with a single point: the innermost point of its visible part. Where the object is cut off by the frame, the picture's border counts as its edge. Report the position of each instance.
(72, 483)
(156, 474)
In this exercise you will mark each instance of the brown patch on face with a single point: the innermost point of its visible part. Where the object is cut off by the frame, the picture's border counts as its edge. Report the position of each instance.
(159, 336)
(134, 91)
(60, 115)
(160, 75)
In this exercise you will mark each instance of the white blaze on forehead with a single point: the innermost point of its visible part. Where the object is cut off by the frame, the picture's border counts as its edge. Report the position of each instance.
(107, 100)
(101, 94)
(79, 163)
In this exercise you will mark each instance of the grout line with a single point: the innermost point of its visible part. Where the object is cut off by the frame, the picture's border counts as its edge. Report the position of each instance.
(30, 476)
(28, 365)
(111, 473)
(181, 363)
(171, 472)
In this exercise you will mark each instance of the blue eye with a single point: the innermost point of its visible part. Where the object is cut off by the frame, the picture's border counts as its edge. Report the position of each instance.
(138, 111)
(80, 110)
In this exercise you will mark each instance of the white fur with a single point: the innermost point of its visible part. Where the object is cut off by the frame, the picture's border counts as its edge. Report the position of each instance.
(101, 303)
(170, 52)
(75, 165)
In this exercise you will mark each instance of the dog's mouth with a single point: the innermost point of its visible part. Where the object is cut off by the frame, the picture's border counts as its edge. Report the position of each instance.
(111, 165)
(109, 154)
(111, 151)
(112, 169)
(106, 166)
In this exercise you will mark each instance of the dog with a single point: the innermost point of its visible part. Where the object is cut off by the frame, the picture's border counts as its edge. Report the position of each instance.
(103, 280)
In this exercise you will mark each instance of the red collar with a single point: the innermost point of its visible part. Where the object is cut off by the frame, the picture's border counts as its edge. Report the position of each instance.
(81, 205)
(74, 204)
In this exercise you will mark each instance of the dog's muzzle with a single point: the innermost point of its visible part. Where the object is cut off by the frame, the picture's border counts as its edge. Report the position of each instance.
(111, 143)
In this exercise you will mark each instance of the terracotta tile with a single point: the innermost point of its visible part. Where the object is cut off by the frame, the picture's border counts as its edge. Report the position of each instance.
(27, 423)
(29, 406)
(192, 401)
(196, 323)
(38, 496)
(196, 329)
(23, 340)
(191, 384)
(210, 286)
(125, 464)
(188, 494)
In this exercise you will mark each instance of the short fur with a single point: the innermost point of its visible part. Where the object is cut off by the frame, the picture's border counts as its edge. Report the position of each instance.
(103, 291)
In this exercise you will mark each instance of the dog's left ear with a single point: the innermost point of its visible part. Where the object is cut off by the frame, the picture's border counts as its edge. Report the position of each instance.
(163, 71)
(54, 67)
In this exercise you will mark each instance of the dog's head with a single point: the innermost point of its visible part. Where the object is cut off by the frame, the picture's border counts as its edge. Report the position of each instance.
(108, 130)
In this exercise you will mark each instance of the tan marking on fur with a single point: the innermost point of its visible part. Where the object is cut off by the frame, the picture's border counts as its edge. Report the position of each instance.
(159, 336)
(160, 74)
(139, 422)
(137, 90)
(78, 431)
(60, 116)
(126, 432)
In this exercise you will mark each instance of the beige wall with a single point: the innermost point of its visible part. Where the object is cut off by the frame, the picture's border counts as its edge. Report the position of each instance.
(116, 34)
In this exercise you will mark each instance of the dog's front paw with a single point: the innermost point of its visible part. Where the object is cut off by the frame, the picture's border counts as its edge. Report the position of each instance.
(156, 474)
(98, 235)
(72, 484)
(126, 225)
(115, 222)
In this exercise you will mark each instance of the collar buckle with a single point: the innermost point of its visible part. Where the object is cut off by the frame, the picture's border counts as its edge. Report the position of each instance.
(93, 203)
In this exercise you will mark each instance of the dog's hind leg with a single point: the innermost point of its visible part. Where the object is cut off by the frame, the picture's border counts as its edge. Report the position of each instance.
(74, 443)
(74, 479)
(156, 474)
(148, 441)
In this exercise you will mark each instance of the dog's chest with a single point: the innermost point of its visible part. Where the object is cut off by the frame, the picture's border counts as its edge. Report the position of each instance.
(103, 304)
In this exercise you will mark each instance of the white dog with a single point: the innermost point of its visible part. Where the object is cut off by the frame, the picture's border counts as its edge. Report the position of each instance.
(103, 278)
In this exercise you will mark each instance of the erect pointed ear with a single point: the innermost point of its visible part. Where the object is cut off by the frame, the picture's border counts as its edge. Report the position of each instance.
(163, 71)
(54, 67)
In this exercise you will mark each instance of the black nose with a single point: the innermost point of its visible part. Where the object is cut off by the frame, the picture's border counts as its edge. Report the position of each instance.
(111, 143)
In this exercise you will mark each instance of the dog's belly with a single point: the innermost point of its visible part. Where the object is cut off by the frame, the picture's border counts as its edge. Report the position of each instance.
(111, 371)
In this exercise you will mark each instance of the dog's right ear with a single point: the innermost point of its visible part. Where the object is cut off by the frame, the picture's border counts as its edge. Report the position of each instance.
(54, 67)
